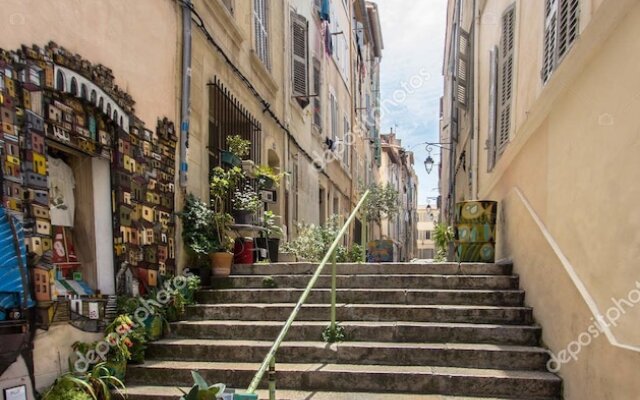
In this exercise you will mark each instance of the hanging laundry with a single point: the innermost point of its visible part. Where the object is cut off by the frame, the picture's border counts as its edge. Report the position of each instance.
(328, 39)
(325, 10)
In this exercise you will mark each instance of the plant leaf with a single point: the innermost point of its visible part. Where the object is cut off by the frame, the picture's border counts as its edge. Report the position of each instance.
(199, 381)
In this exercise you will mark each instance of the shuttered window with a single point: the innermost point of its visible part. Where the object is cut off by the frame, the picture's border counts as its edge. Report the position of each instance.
(505, 78)
(300, 68)
(317, 93)
(346, 156)
(462, 69)
(261, 28)
(560, 31)
(493, 108)
(334, 116)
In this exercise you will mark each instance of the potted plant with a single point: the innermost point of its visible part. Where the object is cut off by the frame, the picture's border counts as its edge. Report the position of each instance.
(267, 177)
(98, 383)
(222, 257)
(222, 182)
(246, 203)
(201, 389)
(199, 234)
(238, 149)
(287, 253)
(270, 237)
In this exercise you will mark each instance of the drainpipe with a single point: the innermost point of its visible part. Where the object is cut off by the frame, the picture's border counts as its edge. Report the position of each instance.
(476, 104)
(453, 135)
(186, 87)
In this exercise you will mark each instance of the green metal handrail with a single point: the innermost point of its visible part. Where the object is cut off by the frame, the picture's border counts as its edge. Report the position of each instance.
(269, 360)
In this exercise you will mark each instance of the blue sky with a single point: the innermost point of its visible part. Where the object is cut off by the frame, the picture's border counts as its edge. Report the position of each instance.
(413, 35)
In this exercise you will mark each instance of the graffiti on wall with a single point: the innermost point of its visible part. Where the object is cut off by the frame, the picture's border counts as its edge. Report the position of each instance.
(475, 230)
(50, 97)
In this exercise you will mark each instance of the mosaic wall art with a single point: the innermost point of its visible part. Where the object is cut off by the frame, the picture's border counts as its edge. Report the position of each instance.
(51, 97)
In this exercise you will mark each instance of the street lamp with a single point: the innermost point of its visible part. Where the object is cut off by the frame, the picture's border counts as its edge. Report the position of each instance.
(428, 164)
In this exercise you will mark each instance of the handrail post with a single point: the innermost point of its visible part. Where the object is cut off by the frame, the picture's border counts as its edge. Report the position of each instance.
(364, 232)
(272, 379)
(331, 252)
(333, 290)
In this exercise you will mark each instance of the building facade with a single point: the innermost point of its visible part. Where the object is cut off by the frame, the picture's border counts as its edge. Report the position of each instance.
(396, 170)
(138, 101)
(427, 218)
(539, 105)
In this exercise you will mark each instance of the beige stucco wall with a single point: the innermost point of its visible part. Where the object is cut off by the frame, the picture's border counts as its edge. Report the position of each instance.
(573, 156)
(138, 41)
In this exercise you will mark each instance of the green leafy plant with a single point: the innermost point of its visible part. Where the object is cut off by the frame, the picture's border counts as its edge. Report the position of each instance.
(264, 173)
(442, 236)
(268, 221)
(246, 199)
(201, 389)
(313, 241)
(238, 146)
(198, 232)
(269, 283)
(352, 255)
(382, 201)
(333, 334)
(95, 384)
(221, 184)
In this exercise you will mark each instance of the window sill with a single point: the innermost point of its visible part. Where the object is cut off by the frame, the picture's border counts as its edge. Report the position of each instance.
(263, 74)
(225, 19)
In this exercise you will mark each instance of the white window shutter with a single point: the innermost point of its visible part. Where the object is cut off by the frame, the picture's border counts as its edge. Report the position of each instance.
(493, 107)
(462, 68)
(550, 39)
(317, 99)
(299, 40)
(261, 27)
(505, 92)
(567, 24)
(561, 29)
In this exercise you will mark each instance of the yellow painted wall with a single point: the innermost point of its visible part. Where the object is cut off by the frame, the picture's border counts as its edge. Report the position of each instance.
(573, 156)
(138, 40)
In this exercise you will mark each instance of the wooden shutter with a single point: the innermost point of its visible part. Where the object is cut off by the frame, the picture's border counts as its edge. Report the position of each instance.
(317, 99)
(261, 27)
(299, 33)
(560, 31)
(567, 24)
(493, 107)
(505, 92)
(462, 68)
(550, 39)
(346, 156)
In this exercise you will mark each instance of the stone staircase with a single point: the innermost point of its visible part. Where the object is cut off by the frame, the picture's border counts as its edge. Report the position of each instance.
(416, 331)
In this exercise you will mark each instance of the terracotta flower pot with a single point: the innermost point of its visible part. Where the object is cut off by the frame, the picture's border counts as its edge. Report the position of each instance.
(221, 263)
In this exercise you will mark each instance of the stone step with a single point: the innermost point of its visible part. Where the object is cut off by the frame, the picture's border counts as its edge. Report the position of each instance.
(363, 331)
(418, 281)
(468, 355)
(375, 268)
(140, 392)
(364, 312)
(373, 378)
(370, 296)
